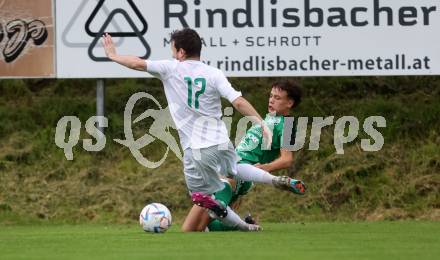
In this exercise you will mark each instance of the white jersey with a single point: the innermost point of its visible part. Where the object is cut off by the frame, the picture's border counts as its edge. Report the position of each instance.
(193, 90)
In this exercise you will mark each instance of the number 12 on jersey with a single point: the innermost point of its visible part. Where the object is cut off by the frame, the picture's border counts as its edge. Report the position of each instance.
(191, 83)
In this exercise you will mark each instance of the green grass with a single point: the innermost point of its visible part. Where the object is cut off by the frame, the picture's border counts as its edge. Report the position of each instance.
(401, 181)
(378, 240)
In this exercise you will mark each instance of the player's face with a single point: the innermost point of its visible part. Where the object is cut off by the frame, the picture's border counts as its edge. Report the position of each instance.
(279, 102)
(177, 54)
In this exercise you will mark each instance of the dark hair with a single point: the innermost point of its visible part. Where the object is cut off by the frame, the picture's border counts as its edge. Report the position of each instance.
(188, 40)
(292, 88)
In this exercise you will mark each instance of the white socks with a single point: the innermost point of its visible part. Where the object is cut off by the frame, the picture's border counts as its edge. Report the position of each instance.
(234, 220)
(248, 172)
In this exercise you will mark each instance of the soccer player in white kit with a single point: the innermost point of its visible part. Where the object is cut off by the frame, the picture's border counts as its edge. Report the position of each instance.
(193, 91)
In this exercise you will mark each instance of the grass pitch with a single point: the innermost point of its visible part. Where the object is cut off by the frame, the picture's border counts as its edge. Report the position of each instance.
(380, 240)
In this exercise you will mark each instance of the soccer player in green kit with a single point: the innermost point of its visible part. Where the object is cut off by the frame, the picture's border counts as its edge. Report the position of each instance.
(256, 163)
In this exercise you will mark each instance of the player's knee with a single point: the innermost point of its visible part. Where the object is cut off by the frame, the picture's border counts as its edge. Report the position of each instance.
(187, 228)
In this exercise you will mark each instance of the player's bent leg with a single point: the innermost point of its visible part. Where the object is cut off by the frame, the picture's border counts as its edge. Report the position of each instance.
(234, 220)
(226, 215)
(216, 226)
(193, 219)
(207, 165)
(224, 197)
(208, 202)
(204, 221)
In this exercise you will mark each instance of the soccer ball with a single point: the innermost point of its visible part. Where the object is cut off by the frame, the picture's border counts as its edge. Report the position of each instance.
(155, 217)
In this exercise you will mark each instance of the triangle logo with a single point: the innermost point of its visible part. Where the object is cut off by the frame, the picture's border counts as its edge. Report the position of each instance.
(68, 38)
(116, 34)
(135, 33)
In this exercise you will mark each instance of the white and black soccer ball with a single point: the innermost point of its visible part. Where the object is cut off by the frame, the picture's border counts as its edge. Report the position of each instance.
(155, 217)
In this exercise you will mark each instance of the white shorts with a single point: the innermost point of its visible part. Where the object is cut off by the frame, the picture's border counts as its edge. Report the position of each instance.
(204, 167)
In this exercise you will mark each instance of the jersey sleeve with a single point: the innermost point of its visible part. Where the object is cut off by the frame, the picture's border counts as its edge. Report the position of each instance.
(160, 69)
(225, 88)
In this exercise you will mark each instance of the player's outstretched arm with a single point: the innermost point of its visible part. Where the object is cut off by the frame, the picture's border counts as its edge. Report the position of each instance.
(283, 162)
(131, 62)
(246, 109)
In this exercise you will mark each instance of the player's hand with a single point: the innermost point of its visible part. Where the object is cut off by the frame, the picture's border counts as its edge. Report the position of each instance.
(263, 167)
(267, 136)
(109, 46)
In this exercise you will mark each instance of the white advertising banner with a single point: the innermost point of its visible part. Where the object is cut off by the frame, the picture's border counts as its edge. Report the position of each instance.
(256, 37)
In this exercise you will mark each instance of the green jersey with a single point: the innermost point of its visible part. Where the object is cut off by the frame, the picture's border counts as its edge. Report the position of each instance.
(250, 150)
